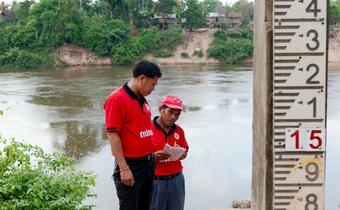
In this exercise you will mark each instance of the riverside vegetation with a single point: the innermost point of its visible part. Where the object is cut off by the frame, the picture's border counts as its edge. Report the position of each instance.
(123, 30)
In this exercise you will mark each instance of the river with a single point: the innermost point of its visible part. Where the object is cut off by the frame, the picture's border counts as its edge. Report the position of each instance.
(62, 110)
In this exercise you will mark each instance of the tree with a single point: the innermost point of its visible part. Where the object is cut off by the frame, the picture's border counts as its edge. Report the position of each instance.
(57, 22)
(165, 6)
(194, 15)
(211, 6)
(246, 9)
(118, 8)
(334, 14)
(21, 10)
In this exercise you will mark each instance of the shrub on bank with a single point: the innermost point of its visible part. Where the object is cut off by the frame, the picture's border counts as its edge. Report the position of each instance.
(23, 59)
(232, 50)
(128, 52)
(32, 179)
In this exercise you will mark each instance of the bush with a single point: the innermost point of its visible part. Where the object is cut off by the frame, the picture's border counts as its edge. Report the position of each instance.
(150, 39)
(185, 55)
(198, 52)
(171, 38)
(163, 53)
(22, 59)
(128, 52)
(232, 50)
(32, 179)
(103, 35)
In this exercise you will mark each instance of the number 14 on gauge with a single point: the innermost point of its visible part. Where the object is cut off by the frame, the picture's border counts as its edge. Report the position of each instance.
(305, 139)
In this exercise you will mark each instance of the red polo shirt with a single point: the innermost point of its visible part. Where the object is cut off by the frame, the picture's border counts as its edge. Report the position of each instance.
(160, 138)
(129, 115)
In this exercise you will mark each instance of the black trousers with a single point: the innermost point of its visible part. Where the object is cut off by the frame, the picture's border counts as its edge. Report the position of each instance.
(137, 197)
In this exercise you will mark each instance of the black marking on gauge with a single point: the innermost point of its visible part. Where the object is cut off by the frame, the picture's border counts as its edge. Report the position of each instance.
(298, 120)
(280, 178)
(280, 13)
(282, 203)
(280, 47)
(284, 33)
(287, 159)
(284, 67)
(300, 54)
(300, 20)
(318, 153)
(285, 191)
(287, 27)
(286, 126)
(282, 74)
(282, 6)
(279, 146)
(299, 184)
(280, 81)
(280, 114)
(284, 166)
(279, 140)
(282, 40)
(281, 107)
(284, 100)
(284, 197)
(286, 94)
(280, 209)
(287, 61)
(281, 172)
(279, 133)
(298, 87)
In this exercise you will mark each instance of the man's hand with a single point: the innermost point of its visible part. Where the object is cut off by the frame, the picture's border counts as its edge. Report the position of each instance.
(127, 178)
(160, 155)
(184, 155)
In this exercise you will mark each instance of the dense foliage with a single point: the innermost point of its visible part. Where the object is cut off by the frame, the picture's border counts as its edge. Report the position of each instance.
(31, 30)
(232, 48)
(32, 179)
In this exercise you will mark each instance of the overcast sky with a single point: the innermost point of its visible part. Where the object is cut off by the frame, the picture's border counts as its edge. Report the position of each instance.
(224, 1)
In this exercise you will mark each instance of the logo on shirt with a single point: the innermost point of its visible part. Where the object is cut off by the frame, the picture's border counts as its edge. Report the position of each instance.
(146, 133)
(176, 136)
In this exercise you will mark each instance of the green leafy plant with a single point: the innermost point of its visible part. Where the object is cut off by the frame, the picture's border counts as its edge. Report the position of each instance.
(198, 53)
(185, 55)
(23, 59)
(33, 179)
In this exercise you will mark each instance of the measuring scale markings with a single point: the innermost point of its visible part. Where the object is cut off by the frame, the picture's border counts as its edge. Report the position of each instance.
(299, 103)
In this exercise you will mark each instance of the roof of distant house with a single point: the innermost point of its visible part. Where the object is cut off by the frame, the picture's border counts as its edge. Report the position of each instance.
(215, 14)
(165, 16)
(234, 15)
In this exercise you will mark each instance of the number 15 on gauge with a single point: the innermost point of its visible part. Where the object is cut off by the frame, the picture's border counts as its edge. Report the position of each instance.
(305, 139)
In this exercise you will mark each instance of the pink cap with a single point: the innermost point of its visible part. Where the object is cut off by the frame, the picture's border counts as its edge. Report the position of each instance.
(172, 102)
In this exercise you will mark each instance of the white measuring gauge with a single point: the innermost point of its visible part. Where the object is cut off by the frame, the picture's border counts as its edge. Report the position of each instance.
(299, 103)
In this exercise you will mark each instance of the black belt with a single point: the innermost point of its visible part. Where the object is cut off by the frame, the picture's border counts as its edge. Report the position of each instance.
(146, 157)
(168, 177)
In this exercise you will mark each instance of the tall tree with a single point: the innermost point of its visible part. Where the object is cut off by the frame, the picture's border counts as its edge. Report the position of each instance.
(194, 15)
(165, 6)
(118, 8)
(211, 6)
(20, 10)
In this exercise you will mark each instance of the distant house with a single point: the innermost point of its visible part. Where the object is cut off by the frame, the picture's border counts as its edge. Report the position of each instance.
(234, 19)
(166, 21)
(215, 19)
(5, 13)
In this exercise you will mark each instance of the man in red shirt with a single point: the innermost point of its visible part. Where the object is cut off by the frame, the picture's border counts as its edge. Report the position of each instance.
(169, 188)
(129, 129)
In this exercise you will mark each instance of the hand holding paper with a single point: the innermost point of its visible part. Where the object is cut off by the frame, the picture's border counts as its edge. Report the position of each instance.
(175, 152)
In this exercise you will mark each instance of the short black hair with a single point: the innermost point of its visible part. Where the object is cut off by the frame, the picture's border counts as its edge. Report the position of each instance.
(147, 68)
